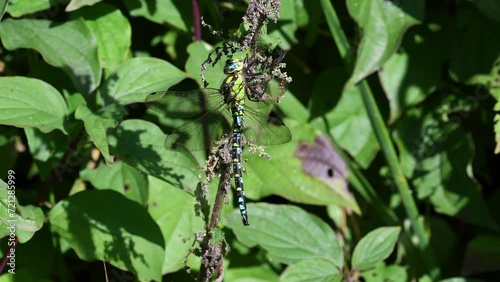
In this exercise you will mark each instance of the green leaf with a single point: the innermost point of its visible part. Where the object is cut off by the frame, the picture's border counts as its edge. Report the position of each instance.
(198, 52)
(22, 221)
(375, 247)
(435, 153)
(381, 273)
(28, 102)
(70, 46)
(104, 225)
(178, 14)
(141, 145)
(312, 270)
(347, 118)
(383, 24)
(19, 8)
(259, 273)
(265, 177)
(133, 80)
(111, 29)
(410, 75)
(173, 210)
(461, 279)
(3, 7)
(284, 31)
(97, 125)
(121, 178)
(77, 4)
(291, 106)
(287, 233)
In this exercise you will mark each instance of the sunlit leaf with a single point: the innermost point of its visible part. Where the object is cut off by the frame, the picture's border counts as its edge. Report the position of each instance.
(383, 24)
(28, 102)
(375, 247)
(288, 233)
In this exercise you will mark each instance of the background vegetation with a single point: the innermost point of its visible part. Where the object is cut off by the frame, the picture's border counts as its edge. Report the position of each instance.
(390, 175)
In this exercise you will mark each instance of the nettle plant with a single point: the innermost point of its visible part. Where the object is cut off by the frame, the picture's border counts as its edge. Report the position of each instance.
(383, 171)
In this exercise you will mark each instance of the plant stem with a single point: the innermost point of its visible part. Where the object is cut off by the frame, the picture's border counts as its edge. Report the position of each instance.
(196, 20)
(208, 263)
(383, 137)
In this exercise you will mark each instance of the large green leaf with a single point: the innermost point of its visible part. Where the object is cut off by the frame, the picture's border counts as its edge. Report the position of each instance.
(375, 247)
(141, 145)
(198, 52)
(319, 270)
(70, 46)
(435, 154)
(3, 7)
(259, 273)
(28, 102)
(104, 225)
(410, 75)
(383, 24)
(173, 210)
(286, 27)
(291, 106)
(346, 118)
(133, 80)
(121, 178)
(77, 4)
(175, 13)
(112, 31)
(393, 273)
(288, 234)
(19, 8)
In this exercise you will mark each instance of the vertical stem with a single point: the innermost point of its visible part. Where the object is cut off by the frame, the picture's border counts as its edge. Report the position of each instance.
(383, 138)
(11, 250)
(207, 256)
(196, 20)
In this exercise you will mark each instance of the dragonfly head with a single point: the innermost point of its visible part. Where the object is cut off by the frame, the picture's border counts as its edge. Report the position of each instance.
(233, 66)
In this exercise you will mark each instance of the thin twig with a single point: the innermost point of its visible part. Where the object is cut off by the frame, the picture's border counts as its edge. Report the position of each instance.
(207, 268)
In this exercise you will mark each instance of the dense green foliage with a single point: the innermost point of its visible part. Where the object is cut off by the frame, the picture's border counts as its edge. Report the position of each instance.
(405, 91)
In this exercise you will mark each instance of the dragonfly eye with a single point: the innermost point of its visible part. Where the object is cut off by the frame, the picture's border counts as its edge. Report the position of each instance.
(232, 66)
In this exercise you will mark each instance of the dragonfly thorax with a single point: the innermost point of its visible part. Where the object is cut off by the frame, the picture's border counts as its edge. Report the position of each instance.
(233, 88)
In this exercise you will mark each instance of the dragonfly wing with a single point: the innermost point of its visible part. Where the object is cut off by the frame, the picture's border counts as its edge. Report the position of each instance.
(184, 103)
(201, 132)
(264, 130)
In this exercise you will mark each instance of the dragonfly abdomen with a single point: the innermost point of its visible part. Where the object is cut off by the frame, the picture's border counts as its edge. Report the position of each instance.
(238, 111)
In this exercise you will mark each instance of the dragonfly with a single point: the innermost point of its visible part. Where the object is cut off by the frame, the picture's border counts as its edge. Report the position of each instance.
(214, 113)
